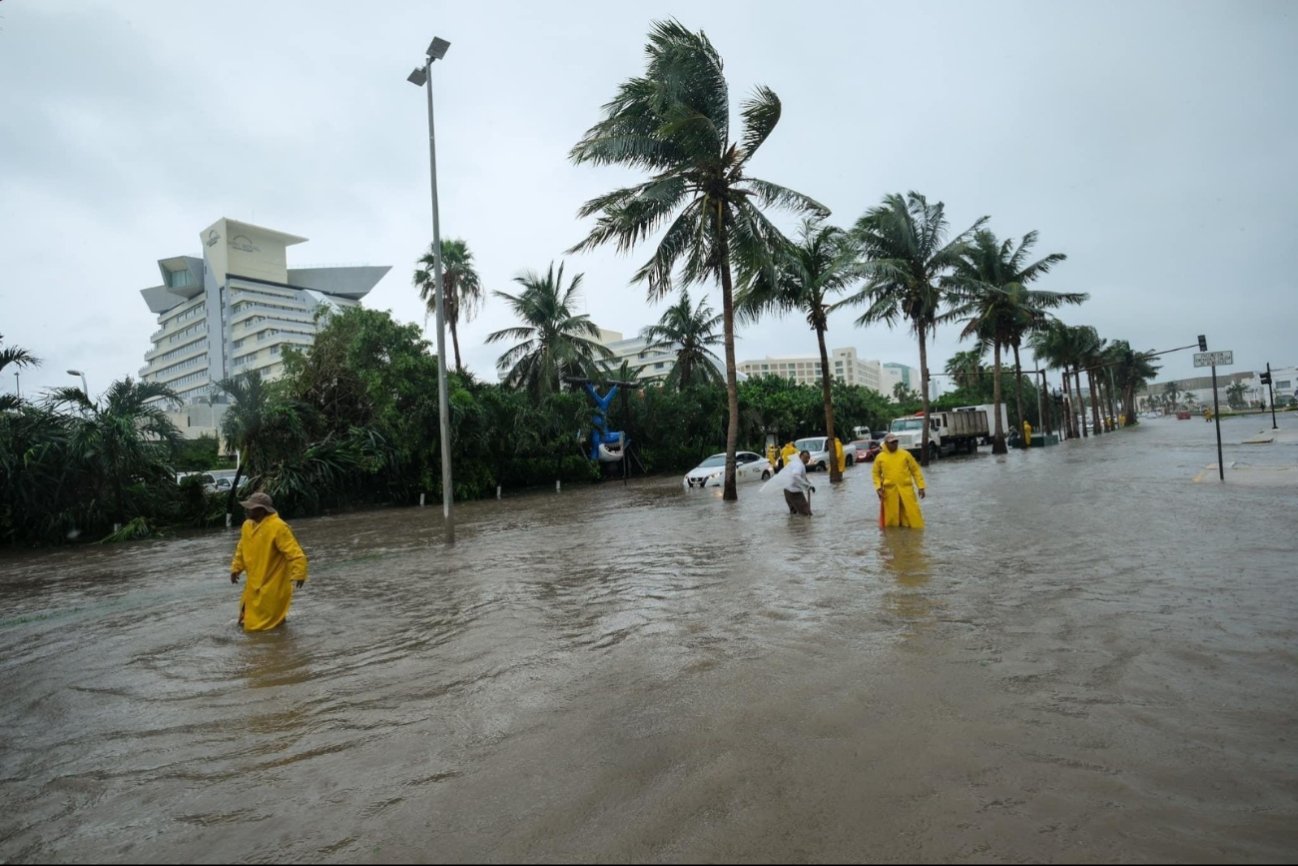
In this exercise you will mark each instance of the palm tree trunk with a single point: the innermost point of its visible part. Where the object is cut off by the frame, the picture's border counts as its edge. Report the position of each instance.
(451, 307)
(730, 492)
(923, 397)
(1018, 385)
(1081, 404)
(998, 437)
(835, 474)
(1069, 431)
(1095, 405)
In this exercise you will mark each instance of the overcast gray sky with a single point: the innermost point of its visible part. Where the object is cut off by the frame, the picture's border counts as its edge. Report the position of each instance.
(1154, 143)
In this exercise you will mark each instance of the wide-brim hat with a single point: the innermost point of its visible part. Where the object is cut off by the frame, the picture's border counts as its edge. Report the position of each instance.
(259, 500)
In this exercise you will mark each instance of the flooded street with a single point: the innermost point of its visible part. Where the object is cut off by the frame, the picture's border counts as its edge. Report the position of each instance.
(1088, 656)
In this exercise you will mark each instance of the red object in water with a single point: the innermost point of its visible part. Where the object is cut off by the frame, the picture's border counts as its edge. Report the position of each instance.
(1182, 415)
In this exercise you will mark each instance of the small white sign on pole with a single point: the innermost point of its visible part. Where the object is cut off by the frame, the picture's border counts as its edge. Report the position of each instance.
(1219, 359)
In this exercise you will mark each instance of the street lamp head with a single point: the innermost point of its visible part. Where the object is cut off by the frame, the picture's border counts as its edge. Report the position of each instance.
(417, 77)
(74, 373)
(437, 48)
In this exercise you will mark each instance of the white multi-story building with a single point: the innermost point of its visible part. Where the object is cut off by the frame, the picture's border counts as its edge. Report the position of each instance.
(234, 310)
(648, 365)
(846, 367)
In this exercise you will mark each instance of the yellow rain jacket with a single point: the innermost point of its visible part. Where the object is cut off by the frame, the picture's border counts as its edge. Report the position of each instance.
(788, 452)
(839, 457)
(273, 559)
(896, 473)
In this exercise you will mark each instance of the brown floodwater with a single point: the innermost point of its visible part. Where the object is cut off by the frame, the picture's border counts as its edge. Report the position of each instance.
(1088, 656)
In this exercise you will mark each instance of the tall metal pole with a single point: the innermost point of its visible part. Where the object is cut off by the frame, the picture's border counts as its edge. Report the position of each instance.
(1269, 390)
(443, 401)
(1216, 417)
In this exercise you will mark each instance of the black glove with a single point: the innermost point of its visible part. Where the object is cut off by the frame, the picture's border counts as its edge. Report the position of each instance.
(813, 488)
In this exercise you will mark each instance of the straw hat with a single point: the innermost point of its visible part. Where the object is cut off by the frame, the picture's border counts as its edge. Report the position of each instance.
(891, 437)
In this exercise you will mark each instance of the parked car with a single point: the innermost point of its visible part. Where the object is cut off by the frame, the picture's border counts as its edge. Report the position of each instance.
(749, 466)
(867, 449)
(818, 447)
(216, 481)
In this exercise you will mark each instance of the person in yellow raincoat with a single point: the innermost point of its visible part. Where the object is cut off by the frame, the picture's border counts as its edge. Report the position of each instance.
(275, 563)
(839, 457)
(896, 475)
(1027, 433)
(787, 453)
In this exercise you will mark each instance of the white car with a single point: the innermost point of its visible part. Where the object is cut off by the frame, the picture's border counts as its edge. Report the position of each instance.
(820, 455)
(749, 466)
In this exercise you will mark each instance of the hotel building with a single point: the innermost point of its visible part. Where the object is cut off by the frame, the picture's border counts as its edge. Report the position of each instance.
(234, 311)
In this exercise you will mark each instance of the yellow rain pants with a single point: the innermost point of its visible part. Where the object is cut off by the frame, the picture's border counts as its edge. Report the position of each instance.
(274, 560)
(896, 473)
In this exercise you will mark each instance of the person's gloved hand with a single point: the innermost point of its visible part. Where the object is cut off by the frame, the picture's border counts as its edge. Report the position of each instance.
(298, 583)
(813, 488)
(234, 577)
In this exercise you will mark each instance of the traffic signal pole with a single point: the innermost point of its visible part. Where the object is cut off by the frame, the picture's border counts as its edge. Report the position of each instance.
(1216, 418)
(1271, 393)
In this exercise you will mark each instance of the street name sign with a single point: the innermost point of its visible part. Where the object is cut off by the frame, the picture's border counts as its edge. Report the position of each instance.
(1217, 359)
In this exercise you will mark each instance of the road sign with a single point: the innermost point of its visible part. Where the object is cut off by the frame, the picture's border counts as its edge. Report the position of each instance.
(1210, 359)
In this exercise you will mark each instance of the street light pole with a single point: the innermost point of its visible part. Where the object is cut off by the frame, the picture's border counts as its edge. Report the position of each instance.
(85, 389)
(422, 77)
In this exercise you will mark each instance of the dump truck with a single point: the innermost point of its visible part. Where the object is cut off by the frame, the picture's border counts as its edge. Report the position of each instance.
(949, 431)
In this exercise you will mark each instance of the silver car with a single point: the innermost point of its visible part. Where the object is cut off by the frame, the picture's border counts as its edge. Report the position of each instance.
(749, 466)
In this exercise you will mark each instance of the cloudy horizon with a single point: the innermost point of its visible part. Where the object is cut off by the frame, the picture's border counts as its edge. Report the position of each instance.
(1150, 142)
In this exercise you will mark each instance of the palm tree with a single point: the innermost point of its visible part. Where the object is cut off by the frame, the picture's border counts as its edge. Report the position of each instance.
(966, 368)
(990, 294)
(553, 343)
(674, 122)
(689, 332)
(19, 357)
(243, 424)
(1089, 355)
(1172, 391)
(125, 438)
(461, 287)
(1131, 372)
(823, 263)
(904, 244)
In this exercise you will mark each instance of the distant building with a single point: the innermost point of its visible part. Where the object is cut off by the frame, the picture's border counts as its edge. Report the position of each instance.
(1199, 388)
(234, 310)
(845, 366)
(648, 365)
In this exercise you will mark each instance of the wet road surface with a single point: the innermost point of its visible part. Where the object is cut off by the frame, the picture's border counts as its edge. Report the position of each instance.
(1088, 656)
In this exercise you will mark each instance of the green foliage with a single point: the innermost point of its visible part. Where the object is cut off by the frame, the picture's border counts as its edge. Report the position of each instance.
(196, 455)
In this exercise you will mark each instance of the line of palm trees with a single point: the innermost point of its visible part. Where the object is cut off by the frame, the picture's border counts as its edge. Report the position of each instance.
(898, 263)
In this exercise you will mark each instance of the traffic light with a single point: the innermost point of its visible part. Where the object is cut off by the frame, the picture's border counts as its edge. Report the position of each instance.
(1203, 343)
(1266, 377)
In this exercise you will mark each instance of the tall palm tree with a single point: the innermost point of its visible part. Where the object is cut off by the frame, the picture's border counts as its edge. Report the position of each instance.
(674, 122)
(990, 293)
(461, 287)
(910, 262)
(553, 342)
(689, 332)
(124, 437)
(1132, 371)
(1058, 345)
(808, 275)
(19, 357)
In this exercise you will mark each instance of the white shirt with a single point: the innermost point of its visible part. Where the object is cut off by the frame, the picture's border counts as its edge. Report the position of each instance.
(797, 481)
